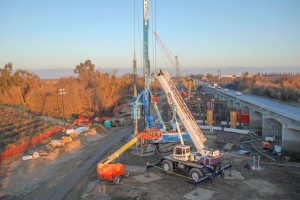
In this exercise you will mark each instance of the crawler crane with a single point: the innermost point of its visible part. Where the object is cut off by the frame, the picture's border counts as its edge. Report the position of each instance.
(188, 85)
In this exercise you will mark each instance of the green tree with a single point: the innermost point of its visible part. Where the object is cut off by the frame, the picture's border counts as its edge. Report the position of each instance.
(87, 66)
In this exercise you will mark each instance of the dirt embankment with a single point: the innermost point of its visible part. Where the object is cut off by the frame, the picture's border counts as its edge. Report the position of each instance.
(19, 178)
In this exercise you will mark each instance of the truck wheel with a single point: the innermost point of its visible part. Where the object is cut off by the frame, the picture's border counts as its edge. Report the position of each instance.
(116, 180)
(195, 174)
(167, 166)
(126, 174)
(217, 167)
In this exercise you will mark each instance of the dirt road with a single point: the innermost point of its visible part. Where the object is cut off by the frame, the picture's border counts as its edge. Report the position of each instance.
(59, 185)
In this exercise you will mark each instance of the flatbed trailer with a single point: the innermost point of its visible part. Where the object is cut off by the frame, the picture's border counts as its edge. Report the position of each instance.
(197, 172)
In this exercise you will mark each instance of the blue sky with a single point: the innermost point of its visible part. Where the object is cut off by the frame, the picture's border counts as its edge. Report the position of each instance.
(44, 34)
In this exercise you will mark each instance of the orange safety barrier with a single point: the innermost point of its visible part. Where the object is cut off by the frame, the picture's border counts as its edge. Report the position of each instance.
(28, 144)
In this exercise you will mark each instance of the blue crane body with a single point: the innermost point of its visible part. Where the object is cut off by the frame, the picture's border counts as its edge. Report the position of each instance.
(143, 98)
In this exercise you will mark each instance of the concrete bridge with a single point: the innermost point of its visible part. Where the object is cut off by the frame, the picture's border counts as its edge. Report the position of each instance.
(270, 116)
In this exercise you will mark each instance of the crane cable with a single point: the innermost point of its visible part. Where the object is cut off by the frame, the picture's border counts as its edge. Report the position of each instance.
(154, 29)
(136, 13)
(134, 23)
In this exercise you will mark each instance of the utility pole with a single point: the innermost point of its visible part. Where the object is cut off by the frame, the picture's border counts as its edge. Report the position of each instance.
(62, 92)
(219, 76)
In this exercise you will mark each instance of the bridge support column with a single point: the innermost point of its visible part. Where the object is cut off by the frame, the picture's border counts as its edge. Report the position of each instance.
(255, 120)
(230, 104)
(284, 127)
(291, 141)
(265, 126)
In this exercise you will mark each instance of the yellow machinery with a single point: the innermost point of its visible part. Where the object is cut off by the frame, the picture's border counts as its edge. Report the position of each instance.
(187, 85)
(113, 172)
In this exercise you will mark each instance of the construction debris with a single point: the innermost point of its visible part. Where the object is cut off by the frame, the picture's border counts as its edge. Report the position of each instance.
(69, 131)
(228, 146)
(58, 143)
(91, 132)
(81, 130)
(74, 135)
(241, 152)
(34, 155)
(43, 152)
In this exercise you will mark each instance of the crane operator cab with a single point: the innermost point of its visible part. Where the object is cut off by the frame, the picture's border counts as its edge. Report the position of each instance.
(182, 152)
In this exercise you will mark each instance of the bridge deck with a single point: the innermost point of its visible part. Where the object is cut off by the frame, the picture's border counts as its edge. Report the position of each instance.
(280, 108)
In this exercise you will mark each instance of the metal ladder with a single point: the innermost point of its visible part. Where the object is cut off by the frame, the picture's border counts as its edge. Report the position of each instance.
(181, 109)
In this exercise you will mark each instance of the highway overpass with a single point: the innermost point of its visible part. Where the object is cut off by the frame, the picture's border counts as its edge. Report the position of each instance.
(270, 116)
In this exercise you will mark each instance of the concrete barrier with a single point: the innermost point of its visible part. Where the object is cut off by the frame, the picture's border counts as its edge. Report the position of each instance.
(236, 130)
(210, 127)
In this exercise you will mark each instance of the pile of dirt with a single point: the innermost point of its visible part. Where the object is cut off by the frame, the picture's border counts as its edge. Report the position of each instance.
(101, 129)
(91, 132)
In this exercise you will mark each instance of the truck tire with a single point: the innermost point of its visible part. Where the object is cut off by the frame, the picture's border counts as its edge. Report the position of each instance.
(167, 165)
(116, 180)
(126, 174)
(217, 167)
(195, 174)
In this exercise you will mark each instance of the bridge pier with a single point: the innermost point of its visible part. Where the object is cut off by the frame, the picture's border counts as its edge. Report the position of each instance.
(256, 120)
(267, 117)
(291, 140)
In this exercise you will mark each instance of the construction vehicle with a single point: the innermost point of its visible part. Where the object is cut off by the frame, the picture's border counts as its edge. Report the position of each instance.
(266, 145)
(82, 121)
(114, 172)
(188, 85)
(183, 93)
(143, 100)
(123, 110)
(201, 165)
(168, 137)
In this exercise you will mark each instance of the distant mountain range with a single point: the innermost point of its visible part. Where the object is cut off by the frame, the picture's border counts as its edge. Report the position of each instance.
(67, 72)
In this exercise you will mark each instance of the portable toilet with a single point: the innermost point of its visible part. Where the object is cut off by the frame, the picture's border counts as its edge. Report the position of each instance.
(107, 124)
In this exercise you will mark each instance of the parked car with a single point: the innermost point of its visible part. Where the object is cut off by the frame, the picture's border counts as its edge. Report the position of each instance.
(238, 93)
(226, 90)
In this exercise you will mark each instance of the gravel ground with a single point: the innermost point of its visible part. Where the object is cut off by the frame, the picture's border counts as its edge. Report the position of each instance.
(21, 177)
(271, 182)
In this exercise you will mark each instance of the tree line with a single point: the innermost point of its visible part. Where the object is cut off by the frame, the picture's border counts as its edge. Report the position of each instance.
(89, 93)
(283, 88)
